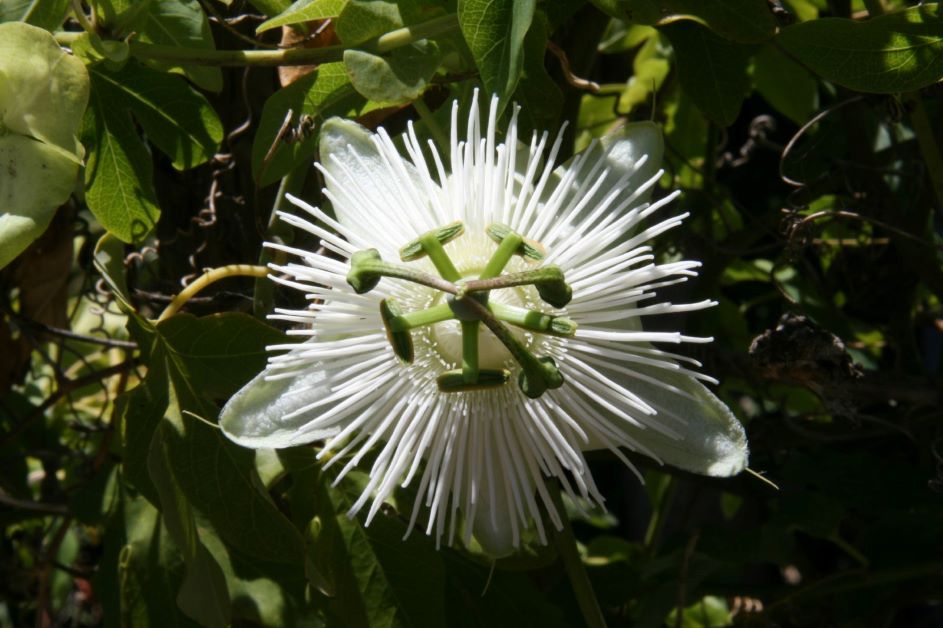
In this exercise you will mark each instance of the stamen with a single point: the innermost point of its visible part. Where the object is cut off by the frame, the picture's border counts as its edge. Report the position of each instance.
(401, 341)
(531, 320)
(468, 301)
(431, 244)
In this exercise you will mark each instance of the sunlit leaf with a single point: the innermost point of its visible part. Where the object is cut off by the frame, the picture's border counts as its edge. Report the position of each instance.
(897, 52)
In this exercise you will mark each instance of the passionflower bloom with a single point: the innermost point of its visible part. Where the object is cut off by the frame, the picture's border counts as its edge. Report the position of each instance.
(477, 318)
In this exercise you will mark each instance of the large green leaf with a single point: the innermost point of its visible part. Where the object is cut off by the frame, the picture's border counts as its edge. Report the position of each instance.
(712, 70)
(365, 19)
(150, 567)
(381, 579)
(37, 178)
(43, 93)
(785, 84)
(119, 186)
(47, 14)
(270, 7)
(217, 477)
(494, 31)
(898, 52)
(398, 78)
(304, 11)
(219, 353)
(746, 21)
(323, 93)
(202, 594)
(175, 118)
(181, 23)
(538, 95)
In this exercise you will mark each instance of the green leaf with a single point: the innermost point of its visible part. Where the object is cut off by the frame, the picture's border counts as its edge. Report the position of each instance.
(745, 21)
(181, 23)
(785, 84)
(43, 93)
(270, 7)
(540, 99)
(712, 70)
(365, 19)
(304, 11)
(897, 52)
(323, 93)
(175, 118)
(37, 178)
(494, 31)
(202, 594)
(709, 612)
(398, 78)
(150, 568)
(119, 187)
(381, 579)
(119, 18)
(649, 69)
(219, 353)
(47, 14)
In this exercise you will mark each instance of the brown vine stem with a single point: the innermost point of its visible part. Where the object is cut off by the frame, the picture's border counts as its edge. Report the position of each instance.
(65, 387)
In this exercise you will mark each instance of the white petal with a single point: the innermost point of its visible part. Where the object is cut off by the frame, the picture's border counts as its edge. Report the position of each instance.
(491, 525)
(256, 415)
(712, 439)
(376, 193)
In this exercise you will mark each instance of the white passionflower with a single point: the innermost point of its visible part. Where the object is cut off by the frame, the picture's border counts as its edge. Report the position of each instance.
(478, 319)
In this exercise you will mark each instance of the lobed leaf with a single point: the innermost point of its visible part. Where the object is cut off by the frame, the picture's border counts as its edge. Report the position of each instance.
(494, 31)
(712, 70)
(304, 11)
(745, 21)
(180, 23)
(897, 52)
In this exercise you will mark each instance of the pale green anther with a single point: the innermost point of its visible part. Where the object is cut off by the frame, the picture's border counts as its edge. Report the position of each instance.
(532, 320)
(401, 341)
(415, 250)
(454, 381)
(528, 249)
(536, 379)
(562, 326)
(468, 302)
(431, 245)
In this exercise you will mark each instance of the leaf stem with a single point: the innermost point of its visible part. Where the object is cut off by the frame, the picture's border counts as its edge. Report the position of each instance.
(289, 56)
(207, 278)
(573, 564)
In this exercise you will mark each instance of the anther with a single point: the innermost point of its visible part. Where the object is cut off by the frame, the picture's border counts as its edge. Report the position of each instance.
(430, 244)
(443, 235)
(528, 249)
(539, 376)
(363, 276)
(454, 381)
(400, 340)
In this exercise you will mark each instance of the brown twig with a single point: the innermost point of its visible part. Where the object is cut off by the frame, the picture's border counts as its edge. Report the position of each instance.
(64, 389)
(576, 81)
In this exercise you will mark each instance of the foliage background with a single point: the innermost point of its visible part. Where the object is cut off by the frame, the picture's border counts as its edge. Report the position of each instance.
(805, 135)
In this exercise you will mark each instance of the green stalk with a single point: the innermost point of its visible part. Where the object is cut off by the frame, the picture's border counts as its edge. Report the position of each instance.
(573, 564)
(289, 56)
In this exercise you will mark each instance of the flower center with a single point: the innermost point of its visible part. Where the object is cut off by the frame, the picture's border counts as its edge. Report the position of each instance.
(465, 305)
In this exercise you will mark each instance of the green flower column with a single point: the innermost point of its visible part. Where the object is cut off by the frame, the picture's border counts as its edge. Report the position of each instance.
(43, 94)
